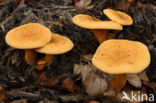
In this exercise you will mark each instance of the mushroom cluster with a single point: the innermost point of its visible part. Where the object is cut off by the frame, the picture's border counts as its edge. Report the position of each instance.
(122, 58)
(33, 38)
(100, 28)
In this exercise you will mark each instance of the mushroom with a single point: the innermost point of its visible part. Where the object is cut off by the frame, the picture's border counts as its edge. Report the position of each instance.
(118, 16)
(121, 57)
(28, 37)
(58, 45)
(98, 27)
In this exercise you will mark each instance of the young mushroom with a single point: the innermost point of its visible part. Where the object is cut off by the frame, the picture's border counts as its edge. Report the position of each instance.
(58, 45)
(98, 27)
(28, 37)
(118, 16)
(121, 57)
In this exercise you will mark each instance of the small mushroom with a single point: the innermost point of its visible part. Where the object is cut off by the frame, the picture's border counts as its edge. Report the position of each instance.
(28, 37)
(98, 27)
(58, 45)
(118, 16)
(121, 57)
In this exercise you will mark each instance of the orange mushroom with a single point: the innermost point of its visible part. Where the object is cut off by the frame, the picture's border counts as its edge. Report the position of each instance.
(58, 45)
(28, 37)
(121, 57)
(98, 27)
(118, 16)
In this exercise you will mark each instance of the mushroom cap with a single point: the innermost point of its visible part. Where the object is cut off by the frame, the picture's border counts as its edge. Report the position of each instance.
(121, 56)
(118, 16)
(58, 45)
(90, 22)
(28, 36)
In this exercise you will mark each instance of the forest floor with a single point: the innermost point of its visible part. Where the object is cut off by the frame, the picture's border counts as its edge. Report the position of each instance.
(23, 83)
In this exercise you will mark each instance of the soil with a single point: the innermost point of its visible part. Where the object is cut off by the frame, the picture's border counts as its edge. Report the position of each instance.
(22, 82)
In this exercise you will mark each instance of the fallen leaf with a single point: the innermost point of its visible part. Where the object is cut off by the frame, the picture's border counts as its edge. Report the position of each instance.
(70, 85)
(66, 2)
(110, 93)
(3, 96)
(47, 81)
(151, 85)
(95, 85)
(94, 81)
(88, 57)
(17, 2)
(119, 82)
(123, 5)
(30, 87)
(143, 76)
(76, 69)
(83, 3)
(134, 80)
(2, 1)
(85, 69)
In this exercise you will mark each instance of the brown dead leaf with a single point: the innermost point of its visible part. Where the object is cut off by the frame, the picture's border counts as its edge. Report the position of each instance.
(119, 82)
(95, 85)
(30, 87)
(83, 3)
(143, 76)
(123, 5)
(83, 69)
(3, 96)
(95, 82)
(70, 85)
(76, 69)
(2, 1)
(48, 81)
(18, 1)
(110, 93)
(151, 85)
(134, 80)
(88, 57)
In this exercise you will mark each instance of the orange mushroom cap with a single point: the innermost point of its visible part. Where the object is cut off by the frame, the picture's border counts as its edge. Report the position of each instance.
(121, 56)
(58, 45)
(90, 22)
(118, 16)
(28, 36)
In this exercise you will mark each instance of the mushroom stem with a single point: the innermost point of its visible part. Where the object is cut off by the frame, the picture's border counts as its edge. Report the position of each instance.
(112, 35)
(100, 34)
(103, 34)
(41, 64)
(46, 61)
(30, 56)
(119, 81)
(48, 58)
